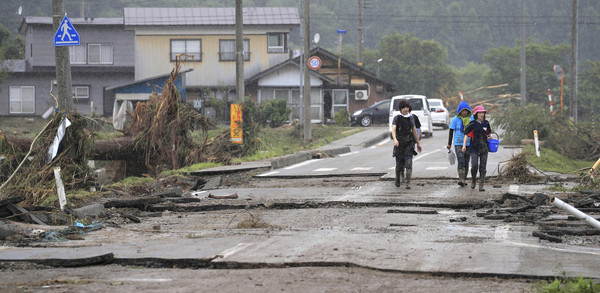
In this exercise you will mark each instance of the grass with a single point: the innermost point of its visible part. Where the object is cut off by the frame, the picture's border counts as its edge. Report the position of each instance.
(131, 181)
(283, 140)
(574, 285)
(552, 161)
(70, 195)
(22, 127)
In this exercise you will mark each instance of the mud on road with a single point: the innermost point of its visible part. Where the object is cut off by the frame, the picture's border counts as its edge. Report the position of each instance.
(370, 219)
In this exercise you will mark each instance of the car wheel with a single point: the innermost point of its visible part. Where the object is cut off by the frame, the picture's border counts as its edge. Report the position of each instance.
(366, 121)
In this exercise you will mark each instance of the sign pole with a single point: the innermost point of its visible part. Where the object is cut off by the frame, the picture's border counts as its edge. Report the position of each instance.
(63, 63)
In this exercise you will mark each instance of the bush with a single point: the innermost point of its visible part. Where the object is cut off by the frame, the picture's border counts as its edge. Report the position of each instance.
(276, 112)
(519, 123)
(342, 118)
(560, 133)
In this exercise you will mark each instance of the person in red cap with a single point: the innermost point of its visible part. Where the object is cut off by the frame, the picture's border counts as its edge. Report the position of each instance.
(479, 131)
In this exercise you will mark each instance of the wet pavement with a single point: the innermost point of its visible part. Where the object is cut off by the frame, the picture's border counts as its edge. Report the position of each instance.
(334, 222)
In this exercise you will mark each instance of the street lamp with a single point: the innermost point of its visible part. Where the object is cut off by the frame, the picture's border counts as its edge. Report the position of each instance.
(378, 61)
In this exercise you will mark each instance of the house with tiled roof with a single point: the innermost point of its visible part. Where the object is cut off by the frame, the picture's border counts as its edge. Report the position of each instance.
(336, 85)
(208, 36)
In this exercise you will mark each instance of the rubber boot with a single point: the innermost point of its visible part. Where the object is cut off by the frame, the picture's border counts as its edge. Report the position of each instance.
(461, 177)
(481, 181)
(473, 179)
(408, 175)
(399, 176)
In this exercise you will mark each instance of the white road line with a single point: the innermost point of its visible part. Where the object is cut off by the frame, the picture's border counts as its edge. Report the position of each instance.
(514, 189)
(436, 168)
(347, 154)
(324, 169)
(361, 169)
(268, 174)
(301, 164)
(420, 156)
(230, 251)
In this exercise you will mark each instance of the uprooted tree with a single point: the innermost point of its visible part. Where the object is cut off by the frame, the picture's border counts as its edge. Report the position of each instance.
(158, 139)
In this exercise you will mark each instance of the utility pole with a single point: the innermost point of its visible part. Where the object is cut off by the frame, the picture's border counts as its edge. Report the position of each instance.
(523, 62)
(307, 100)
(82, 9)
(63, 63)
(360, 32)
(239, 51)
(574, 55)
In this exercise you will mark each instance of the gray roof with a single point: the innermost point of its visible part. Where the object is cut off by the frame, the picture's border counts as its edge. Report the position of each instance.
(210, 16)
(46, 20)
(76, 20)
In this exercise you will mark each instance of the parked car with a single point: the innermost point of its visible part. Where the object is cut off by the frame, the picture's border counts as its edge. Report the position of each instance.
(439, 114)
(420, 107)
(376, 113)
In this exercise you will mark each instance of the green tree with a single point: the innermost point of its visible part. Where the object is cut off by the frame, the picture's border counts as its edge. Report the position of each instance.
(471, 76)
(414, 66)
(589, 92)
(541, 57)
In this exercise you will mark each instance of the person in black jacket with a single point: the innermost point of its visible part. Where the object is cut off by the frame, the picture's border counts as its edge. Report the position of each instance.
(405, 136)
(479, 131)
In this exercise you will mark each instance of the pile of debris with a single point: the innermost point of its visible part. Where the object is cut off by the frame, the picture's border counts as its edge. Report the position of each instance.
(554, 224)
(517, 169)
(158, 139)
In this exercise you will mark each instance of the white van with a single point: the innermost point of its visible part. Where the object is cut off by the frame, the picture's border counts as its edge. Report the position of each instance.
(420, 107)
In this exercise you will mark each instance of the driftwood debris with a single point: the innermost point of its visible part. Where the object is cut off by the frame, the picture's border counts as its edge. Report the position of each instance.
(121, 148)
(137, 202)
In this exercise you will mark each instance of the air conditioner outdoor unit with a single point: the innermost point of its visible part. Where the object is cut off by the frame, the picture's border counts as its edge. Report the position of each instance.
(361, 94)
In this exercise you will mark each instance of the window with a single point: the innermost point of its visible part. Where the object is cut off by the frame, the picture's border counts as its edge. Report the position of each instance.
(277, 43)
(227, 50)
(77, 54)
(340, 101)
(189, 47)
(81, 92)
(100, 54)
(22, 99)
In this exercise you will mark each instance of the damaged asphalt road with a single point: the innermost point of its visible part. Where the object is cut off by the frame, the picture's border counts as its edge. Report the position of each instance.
(238, 232)
(361, 224)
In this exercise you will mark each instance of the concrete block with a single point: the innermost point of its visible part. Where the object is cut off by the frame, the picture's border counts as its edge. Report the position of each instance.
(94, 210)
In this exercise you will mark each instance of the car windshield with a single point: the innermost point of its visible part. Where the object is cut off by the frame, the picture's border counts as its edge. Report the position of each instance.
(415, 103)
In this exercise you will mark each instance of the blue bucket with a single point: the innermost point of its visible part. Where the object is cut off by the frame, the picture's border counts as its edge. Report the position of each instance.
(493, 144)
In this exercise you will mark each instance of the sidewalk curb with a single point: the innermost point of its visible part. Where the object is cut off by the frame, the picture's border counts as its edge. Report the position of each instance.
(375, 140)
(298, 157)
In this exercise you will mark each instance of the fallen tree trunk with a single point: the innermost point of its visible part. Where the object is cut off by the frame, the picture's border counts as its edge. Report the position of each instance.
(121, 148)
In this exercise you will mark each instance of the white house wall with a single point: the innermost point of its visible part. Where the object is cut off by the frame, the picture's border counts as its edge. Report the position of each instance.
(288, 76)
(152, 58)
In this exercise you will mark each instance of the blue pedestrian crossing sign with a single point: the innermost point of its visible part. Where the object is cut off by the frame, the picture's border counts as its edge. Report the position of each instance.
(66, 35)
